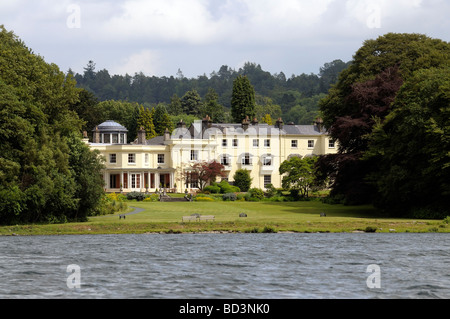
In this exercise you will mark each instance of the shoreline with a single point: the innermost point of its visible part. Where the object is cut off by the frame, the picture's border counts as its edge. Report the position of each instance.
(171, 231)
(282, 218)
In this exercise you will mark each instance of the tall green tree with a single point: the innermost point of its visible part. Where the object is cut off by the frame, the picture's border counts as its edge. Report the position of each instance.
(125, 113)
(212, 107)
(411, 148)
(242, 100)
(145, 121)
(162, 120)
(175, 108)
(191, 103)
(38, 129)
(363, 97)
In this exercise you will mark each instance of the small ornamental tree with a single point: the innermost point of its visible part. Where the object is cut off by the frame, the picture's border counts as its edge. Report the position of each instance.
(299, 175)
(206, 173)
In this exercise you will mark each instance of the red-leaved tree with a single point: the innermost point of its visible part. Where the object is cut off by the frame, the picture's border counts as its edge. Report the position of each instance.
(205, 172)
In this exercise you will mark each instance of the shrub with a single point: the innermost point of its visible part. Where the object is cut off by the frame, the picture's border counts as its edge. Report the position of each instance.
(229, 196)
(225, 188)
(212, 189)
(370, 229)
(152, 198)
(277, 199)
(110, 204)
(136, 195)
(427, 213)
(271, 191)
(203, 199)
(256, 193)
(269, 229)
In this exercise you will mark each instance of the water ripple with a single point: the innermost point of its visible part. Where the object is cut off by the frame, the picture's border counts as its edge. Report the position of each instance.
(227, 266)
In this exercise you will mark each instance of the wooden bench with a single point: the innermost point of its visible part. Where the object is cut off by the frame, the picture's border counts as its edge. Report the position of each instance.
(207, 218)
(190, 218)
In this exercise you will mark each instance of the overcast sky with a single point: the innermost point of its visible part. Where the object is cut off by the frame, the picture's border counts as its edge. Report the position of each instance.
(158, 37)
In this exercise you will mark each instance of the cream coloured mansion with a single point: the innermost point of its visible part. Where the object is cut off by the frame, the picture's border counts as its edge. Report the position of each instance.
(165, 161)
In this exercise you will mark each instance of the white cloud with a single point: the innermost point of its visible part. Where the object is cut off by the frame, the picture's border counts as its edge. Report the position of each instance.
(200, 22)
(146, 61)
(168, 20)
(160, 36)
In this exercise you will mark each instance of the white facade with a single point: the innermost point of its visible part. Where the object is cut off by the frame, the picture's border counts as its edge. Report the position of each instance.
(147, 165)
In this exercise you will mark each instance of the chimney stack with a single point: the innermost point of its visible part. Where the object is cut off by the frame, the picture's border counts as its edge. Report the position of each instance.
(166, 135)
(141, 136)
(255, 121)
(279, 124)
(319, 124)
(96, 137)
(245, 123)
(206, 123)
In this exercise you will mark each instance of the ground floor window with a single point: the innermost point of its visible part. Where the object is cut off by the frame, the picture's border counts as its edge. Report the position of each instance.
(114, 181)
(192, 180)
(267, 180)
(135, 181)
(125, 180)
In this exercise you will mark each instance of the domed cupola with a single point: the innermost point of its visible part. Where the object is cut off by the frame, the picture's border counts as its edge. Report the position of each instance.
(110, 132)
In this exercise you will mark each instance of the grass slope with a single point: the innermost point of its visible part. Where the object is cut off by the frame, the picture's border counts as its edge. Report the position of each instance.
(160, 217)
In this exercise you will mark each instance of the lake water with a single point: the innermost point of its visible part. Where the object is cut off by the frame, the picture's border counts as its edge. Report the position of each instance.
(226, 266)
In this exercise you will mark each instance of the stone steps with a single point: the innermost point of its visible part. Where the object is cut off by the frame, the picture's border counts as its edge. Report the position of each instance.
(168, 199)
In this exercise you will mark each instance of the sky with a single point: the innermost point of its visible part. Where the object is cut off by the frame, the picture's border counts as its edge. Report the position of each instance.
(159, 37)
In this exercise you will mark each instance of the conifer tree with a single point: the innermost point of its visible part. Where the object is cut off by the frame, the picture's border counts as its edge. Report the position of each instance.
(145, 120)
(162, 120)
(242, 99)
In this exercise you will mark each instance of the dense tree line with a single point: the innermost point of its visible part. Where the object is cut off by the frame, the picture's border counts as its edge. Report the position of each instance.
(390, 113)
(295, 97)
(47, 173)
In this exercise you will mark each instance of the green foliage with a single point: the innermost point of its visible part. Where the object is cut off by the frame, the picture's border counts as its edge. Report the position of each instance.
(300, 175)
(204, 198)
(225, 187)
(242, 179)
(368, 107)
(256, 193)
(112, 203)
(269, 229)
(162, 120)
(136, 196)
(188, 120)
(212, 108)
(370, 229)
(229, 196)
(191, 103)
(46, 173)
(243, 99)
(125, 113)
(266, 109)
(271, 191)
(212, 189)
(175, 108)
(412, 147)
(145, 121)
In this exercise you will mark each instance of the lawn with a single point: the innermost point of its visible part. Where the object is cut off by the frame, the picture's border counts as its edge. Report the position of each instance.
(159, 217)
